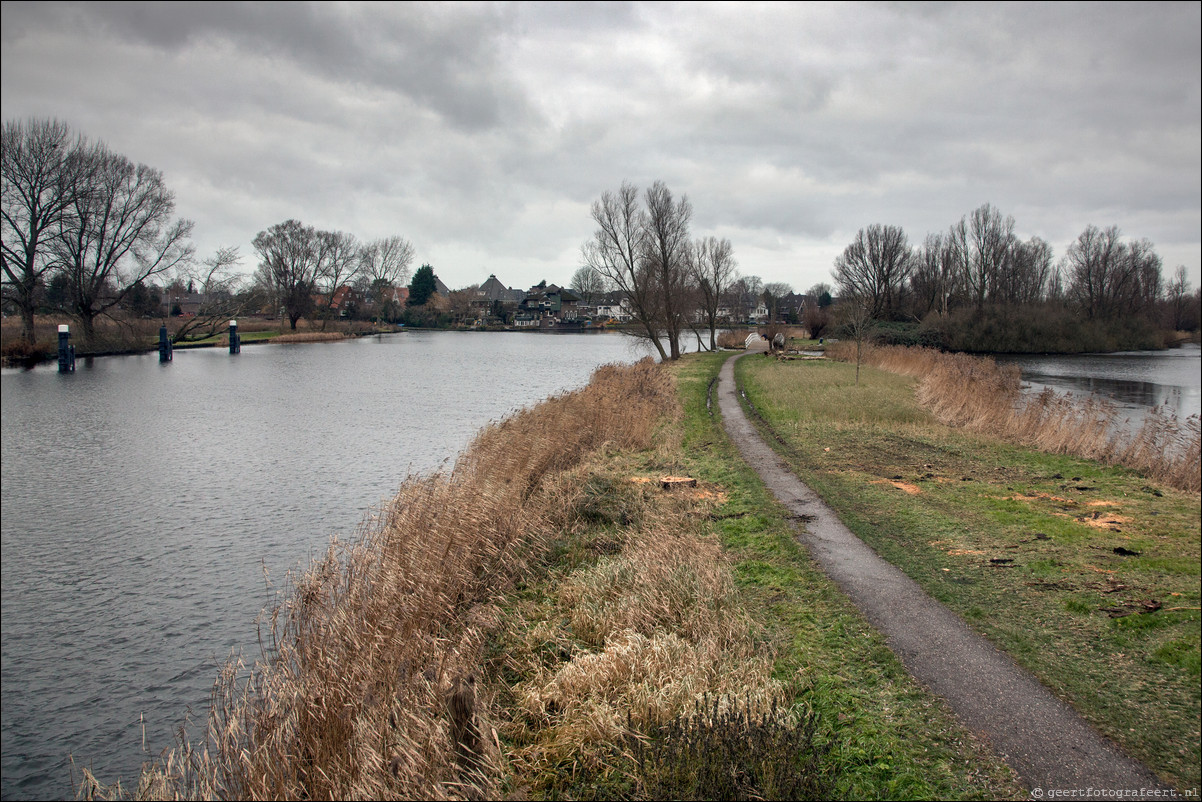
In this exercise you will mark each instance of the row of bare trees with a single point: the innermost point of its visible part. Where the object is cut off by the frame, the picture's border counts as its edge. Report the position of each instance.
(979, 260)
(91, 218)
(299, 263)
(642, 248)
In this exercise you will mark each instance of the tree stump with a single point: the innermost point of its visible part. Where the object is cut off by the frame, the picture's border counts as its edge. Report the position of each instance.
(671, 482)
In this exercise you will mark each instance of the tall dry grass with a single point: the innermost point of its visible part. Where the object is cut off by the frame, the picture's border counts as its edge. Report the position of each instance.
(650, 631)
(311, 337)
(368, 688)
(979, 395)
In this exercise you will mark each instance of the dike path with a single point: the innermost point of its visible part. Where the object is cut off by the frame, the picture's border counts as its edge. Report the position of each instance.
(1051, 747)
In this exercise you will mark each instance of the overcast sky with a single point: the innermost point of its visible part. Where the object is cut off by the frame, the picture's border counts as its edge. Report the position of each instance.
(483, 133)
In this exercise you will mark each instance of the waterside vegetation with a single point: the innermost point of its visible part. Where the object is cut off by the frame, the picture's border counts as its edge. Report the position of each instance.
(547, 621)
(1086, 573)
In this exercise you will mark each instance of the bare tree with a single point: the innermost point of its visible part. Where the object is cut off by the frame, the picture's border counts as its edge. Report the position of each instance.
(667, 253)
(385, 262)
(987, 242)
(588, 283)
(1177, 298)
(816, 317)
(338, 264)
(36, 163)
(713, 270)
(1108, 278)
(218, 280)
(616, 251)
(461, 305)
(745, 294)
(117, 231)
(875, 268)
(775, 292)
(289, 259)
(1029, 273)
(855, 313)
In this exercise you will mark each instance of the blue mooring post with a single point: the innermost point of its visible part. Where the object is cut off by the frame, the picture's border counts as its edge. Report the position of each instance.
(235, 338)
(66, 351)
(164, 345)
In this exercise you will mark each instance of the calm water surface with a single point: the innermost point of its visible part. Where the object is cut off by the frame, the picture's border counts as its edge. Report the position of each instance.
(150, 512)
(1134, 380)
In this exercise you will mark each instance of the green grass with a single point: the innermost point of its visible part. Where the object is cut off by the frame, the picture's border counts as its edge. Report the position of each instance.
(869, 731)
(1022, 544)
(888, 738)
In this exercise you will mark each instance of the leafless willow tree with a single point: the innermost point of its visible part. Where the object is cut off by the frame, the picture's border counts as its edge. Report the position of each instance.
(617, 252)
(935, 279)
(1181, 308)
(875, 268)
(288, 263)
(384, 264)
(712, 268)
(118, 231)
(218, 280)
(37, 160)
(667, 255)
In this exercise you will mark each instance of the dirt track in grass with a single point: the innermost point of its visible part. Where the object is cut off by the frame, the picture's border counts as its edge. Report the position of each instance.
(1043, 739)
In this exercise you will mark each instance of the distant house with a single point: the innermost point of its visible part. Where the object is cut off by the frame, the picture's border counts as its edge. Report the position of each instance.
(547, 305)
(397, 296)
(182, 304)
(496, 302)
(339, 303)
(613, 306)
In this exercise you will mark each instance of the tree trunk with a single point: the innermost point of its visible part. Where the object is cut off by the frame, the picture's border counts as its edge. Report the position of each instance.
(28, 335)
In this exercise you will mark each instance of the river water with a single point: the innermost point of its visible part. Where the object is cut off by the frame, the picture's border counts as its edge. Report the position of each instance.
(1134, 381)
(150, 512)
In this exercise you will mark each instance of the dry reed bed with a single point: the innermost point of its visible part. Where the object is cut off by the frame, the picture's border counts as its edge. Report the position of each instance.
(977, 394)
(652, 631)
(367, 689)
(311, 337)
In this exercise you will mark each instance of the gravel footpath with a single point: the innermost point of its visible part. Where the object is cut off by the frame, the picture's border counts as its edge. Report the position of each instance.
(1053, 749)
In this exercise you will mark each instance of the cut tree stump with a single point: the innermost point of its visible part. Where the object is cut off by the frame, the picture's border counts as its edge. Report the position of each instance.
(670, 482)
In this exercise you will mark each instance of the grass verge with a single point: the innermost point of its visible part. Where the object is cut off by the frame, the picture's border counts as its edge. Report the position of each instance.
(1088, 575)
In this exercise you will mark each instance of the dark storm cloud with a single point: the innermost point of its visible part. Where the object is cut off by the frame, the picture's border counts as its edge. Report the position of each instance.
(485, 131)
(444, 59)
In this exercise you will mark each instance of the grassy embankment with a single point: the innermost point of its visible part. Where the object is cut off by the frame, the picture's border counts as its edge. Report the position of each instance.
(547, 622)
(1087, 574)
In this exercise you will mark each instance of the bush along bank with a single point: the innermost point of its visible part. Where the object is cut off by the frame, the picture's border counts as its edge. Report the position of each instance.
(1086, 574)
(548, 621)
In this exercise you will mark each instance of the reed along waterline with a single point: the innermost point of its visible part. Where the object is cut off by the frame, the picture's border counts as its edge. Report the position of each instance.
(142, 503)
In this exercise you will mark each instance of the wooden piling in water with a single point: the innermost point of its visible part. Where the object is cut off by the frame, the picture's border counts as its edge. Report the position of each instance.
(66, 351)
(165, 347)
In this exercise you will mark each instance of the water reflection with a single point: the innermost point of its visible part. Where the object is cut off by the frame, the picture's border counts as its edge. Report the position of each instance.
(1135, 381)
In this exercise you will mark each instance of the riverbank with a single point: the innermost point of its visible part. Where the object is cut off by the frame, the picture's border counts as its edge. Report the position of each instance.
(585, 613)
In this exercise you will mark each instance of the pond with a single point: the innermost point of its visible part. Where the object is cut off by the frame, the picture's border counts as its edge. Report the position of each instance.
(150, 512)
